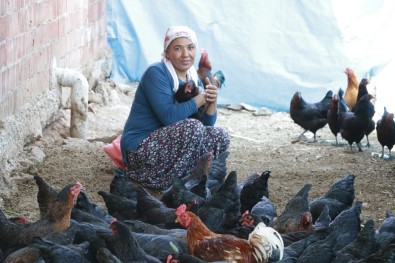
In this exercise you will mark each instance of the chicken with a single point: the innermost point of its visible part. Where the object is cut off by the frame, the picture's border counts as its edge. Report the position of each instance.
(56, 219)
(310, 116)
(124, 245)
(339, 197)
(121, 186)
(186, 91)
(138, 226)
(83, 203)
(221, 211)
(181, 195)
(201, 168)
(262, 244)
(104, 255)
(204, 71)
(385, 130)
(45, 195)
(362, 246)
(363, 90)
(386, 232)
(253, 191)
(296, 213)
(343, 231)
(332, 117)
(52, 252)
(153, 211)
(120, 207)
(353, 125)
(217, 172)
(265, 210)
(352, 88)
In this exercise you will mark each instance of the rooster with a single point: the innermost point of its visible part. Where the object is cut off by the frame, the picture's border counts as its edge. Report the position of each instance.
(263, 243)
(352, 88)
(204, 71)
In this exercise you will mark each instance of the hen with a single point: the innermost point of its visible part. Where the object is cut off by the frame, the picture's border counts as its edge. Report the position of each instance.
(296, 215)
(119, 207)
(339, 197)
(332, 116)
(153, 211)
(264, 243)
(121, 186)
(221, 211)
(124, 245)
(353, 125)
(186, 91)
(252, 192)
(385, 130)
(310, 116)
(217, 172)
(56, 219)
(363, 90)
(352, 88)
(204, 71)
(362, 246)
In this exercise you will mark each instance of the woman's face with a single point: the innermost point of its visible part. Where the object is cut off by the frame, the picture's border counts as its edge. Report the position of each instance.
(181, 53)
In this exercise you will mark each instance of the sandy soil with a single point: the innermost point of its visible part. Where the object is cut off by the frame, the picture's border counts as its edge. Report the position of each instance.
(259, 143)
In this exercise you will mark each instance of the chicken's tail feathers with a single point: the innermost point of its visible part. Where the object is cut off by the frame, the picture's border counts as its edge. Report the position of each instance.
(270, 237)
(220, 77)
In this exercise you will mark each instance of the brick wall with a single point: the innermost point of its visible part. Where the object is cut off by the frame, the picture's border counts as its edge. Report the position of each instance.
(32, 32)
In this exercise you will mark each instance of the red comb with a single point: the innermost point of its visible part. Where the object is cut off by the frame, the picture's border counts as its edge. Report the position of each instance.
(181, 209)
(245, 213)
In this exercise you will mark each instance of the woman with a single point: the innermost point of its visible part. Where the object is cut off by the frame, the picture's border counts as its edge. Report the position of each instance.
(159, 141)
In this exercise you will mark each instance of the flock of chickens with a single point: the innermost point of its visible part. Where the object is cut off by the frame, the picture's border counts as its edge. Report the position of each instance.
(208, 216)
(349, 114)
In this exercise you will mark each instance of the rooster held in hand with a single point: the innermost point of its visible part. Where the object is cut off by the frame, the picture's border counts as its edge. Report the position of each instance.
(310, 116)
(263, 243)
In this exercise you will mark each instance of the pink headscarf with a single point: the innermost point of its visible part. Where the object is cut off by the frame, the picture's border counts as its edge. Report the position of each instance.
(179, 31)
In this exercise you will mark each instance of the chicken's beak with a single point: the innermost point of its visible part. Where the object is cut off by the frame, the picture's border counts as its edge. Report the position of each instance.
(177, 221)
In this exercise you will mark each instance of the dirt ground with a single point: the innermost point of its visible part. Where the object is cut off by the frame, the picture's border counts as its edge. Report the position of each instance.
(258, 143)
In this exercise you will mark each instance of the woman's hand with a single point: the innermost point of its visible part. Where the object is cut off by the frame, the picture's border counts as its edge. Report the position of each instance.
(211, 91)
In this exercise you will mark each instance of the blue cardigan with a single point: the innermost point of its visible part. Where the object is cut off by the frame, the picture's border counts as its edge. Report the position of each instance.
(154, 107)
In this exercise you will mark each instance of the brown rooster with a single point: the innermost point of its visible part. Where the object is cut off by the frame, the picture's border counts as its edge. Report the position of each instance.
(385, 130)
(264, 243)
(352, 88)
(56, 219)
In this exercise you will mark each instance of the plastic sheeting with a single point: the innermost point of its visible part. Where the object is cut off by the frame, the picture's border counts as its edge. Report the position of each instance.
(267, 50)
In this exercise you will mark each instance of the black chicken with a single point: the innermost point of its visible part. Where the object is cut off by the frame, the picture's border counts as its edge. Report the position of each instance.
(186, 91)
(338, 104)
(310, 116)
(253, 191)
(295, 213)
(385, 130)
(353, 125)
(363, 90)
(339, 196)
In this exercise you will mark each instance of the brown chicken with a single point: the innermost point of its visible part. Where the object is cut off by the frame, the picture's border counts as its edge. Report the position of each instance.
(385, 130)
(204, 71)
(57, 219)
(310, 116)
(352, 88)
(263, 243)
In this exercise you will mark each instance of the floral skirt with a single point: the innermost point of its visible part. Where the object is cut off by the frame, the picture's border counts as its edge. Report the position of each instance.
(174, 151)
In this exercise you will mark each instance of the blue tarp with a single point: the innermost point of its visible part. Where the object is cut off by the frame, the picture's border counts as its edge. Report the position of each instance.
(266, 49)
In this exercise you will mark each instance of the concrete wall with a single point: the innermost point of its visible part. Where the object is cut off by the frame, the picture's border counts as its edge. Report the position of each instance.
(32, 33)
